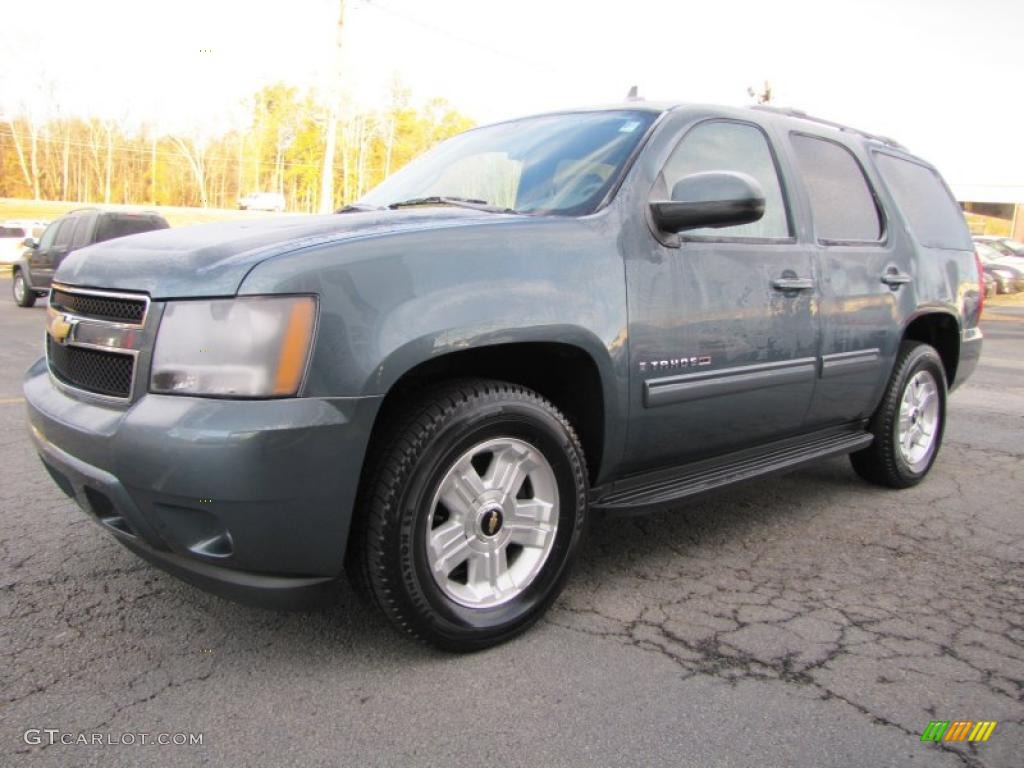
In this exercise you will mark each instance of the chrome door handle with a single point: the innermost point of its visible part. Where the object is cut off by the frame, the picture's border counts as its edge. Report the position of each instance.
(792, 283)
(895, 279)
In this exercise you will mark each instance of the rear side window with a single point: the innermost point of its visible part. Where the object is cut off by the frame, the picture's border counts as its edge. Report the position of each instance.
(121, 226)
(67, 229)
(930, 211)
(81, 236)
(726, 146)
(842, 204)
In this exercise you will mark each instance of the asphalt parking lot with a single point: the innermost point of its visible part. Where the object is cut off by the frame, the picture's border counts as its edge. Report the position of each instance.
(807, 620)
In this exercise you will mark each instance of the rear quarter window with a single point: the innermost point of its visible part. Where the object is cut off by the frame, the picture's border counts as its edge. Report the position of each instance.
(121, 226)
(926, 204)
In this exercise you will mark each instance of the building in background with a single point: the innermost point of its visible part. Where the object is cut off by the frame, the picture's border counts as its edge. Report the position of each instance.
(993, 209)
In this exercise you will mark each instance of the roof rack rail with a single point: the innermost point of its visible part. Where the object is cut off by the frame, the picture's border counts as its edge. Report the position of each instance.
(801, 115)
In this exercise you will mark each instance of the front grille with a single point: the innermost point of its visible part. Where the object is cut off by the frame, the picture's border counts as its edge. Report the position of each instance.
(101, 307)
(105, 373)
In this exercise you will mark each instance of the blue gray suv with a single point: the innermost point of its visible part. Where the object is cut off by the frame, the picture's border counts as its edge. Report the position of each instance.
(612, 309)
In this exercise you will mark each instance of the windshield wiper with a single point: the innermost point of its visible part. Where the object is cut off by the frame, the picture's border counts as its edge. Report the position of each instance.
(461, 202)
(358, 208)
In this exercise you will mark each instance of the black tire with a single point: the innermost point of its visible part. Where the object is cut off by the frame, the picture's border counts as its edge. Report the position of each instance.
(883, 462)
(23, 295)
(387, 559)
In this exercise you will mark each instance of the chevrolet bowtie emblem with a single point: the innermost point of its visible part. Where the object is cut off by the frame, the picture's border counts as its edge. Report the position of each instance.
(60, 328)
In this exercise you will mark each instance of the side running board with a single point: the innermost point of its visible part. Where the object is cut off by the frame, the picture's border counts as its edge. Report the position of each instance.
(653, 489)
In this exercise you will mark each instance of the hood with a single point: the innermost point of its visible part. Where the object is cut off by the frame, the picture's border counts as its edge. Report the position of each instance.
(213, 259)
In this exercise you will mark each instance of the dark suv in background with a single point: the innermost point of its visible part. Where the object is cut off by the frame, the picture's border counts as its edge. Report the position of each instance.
(33, 272)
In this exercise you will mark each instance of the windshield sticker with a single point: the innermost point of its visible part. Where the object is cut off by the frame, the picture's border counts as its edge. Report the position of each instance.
(630, 126)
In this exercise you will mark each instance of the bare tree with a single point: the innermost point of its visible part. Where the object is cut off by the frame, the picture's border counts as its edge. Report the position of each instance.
(333, 97)
(192, 151)
(20, 151)
(109, 128)
(25, 129)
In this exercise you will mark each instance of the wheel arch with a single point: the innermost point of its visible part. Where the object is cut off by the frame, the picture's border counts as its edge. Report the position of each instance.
(568, 372)
(941, 330)
(21, 265)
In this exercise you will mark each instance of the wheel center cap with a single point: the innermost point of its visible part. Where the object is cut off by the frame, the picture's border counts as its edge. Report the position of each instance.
(491, 522)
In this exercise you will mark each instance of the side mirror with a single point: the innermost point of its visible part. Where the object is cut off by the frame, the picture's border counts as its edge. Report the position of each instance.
(30, 242)
(710, 199)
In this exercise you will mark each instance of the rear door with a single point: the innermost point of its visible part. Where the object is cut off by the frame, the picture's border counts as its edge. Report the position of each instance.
(722, 333)
(865, 279)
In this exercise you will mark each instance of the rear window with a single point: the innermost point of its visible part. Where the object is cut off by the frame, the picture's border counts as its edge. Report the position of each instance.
(842, 204)
(930, 211)
(121, 226)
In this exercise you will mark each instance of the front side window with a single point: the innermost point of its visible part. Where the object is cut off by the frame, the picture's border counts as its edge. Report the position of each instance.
(842, 204)
(49, 234)
(553, 164)
(729, 146)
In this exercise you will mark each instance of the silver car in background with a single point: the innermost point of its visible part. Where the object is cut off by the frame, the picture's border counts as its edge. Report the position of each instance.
(12, 238)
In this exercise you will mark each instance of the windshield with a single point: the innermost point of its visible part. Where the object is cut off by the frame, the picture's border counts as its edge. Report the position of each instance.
(561, 164)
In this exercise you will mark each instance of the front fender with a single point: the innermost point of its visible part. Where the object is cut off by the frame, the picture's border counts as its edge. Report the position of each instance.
(392, 302)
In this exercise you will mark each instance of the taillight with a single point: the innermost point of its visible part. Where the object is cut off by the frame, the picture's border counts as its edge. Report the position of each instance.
(981, 285)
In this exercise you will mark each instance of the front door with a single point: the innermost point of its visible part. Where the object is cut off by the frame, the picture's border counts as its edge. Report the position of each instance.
(723, 340)
(51, 252)
(40, 261)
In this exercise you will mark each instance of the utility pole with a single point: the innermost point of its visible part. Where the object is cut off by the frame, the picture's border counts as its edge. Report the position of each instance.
(333, 96)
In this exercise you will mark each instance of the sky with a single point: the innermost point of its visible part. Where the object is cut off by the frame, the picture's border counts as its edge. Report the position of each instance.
(943, 77)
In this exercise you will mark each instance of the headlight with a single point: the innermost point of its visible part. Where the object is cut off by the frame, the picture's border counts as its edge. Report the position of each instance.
(246, 347)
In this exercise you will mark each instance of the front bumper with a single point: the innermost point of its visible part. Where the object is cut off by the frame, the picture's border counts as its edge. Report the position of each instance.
(248, 499)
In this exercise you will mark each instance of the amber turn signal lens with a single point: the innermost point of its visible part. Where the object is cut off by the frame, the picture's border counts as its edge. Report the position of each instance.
(295, 346)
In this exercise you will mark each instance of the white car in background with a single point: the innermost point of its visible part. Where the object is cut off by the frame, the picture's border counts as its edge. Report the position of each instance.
(262, 201)
(12, 238)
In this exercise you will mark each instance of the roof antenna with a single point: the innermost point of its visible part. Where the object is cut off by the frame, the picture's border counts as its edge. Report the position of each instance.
(633, 94)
